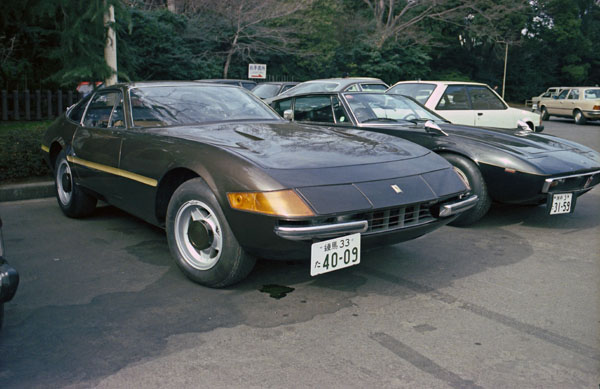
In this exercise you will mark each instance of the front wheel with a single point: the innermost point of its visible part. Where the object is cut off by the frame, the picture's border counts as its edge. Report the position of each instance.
(544, 113)
(201, 240)
(472, 177)
(72, 200)
(578, 117)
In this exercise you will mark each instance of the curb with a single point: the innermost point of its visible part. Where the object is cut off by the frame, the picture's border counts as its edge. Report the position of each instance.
(35, 190)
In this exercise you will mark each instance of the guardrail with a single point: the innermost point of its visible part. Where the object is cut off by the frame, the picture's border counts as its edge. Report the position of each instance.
(35, 105)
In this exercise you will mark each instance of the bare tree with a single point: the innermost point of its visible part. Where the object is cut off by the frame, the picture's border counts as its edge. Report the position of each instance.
(402, 18)
(249, 24)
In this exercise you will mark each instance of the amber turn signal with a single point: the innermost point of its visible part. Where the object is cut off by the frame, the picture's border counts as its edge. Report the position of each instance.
(280, 203)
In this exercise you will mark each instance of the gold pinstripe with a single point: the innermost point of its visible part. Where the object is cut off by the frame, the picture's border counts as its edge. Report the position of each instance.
(113, 170)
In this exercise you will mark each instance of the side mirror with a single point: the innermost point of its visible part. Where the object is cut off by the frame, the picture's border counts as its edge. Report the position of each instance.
(523, 126)
(288, 114)
(431, 126)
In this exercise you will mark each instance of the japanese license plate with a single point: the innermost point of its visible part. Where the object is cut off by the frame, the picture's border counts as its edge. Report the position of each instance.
(561, 203)
(334, 254)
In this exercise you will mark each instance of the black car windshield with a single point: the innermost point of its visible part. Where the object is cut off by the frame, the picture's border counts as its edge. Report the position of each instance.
(385, 108)
(191, 104)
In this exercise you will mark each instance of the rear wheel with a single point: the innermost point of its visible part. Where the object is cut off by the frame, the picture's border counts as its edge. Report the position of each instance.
(201, 240)
(579, 118)
(472, 177)
(72, 200)
(544, 113)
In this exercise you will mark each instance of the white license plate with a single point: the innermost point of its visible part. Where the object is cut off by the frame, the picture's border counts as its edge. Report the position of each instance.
(561, 203)
(334, 254)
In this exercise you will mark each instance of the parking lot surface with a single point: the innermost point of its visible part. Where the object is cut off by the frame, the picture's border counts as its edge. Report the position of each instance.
(513, 301)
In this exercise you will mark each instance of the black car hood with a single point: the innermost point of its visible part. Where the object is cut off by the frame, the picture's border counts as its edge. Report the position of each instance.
(526, 144)
(283, 145)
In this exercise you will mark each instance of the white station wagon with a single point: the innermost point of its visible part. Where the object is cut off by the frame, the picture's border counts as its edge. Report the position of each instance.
(467, 103)
(582, 103)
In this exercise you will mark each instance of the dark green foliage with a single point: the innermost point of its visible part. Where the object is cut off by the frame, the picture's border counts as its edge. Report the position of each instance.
(21, 155)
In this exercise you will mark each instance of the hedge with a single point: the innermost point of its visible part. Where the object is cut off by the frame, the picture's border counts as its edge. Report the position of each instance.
(20, 150)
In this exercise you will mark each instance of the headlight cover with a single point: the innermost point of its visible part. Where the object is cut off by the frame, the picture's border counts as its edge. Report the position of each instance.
(285, 203)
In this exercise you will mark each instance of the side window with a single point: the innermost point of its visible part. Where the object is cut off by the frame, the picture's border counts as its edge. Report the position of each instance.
(281, 106)
(574, 95)
(313, 109)
(100, 110)
(77, 112)
(563, 94)
(483, 98)
(454, 98)
(341, 117)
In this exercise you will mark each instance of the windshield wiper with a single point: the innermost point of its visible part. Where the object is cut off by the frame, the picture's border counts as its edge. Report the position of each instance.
(379, 120)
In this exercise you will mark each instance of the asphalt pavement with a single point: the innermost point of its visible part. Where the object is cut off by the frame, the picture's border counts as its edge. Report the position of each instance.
(513, 301)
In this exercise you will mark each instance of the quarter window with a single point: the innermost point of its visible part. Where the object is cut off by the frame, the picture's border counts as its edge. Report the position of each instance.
(281, 106)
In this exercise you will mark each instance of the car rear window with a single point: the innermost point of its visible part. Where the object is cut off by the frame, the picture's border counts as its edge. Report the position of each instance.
(417, 91)
(373, 87)
(265, 90)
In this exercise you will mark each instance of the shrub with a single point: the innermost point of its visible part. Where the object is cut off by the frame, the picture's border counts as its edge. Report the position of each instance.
(21, 154)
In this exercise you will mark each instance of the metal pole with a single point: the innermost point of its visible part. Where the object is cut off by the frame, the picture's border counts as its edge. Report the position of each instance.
(504, 77)
(110, 49)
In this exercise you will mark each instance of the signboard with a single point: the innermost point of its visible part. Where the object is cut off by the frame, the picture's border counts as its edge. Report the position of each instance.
(257, 70)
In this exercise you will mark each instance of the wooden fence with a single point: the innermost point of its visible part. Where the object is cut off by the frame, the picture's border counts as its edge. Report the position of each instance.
(35, 105)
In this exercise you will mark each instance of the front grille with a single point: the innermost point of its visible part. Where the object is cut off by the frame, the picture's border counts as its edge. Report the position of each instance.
(379, 221)
(400, 217)
(574, 183)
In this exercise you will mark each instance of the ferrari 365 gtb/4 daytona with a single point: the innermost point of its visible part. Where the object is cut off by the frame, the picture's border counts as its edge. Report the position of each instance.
(230, 180)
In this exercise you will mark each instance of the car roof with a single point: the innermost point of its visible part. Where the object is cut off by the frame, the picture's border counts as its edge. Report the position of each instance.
(440, 82)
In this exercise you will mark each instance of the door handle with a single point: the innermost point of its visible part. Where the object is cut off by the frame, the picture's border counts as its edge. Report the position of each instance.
(479, 113)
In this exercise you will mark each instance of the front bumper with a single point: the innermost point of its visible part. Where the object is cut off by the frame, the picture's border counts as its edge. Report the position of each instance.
(333, 229)
(574, 183)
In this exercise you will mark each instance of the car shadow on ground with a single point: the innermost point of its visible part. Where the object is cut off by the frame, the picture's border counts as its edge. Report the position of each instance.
(114, 312)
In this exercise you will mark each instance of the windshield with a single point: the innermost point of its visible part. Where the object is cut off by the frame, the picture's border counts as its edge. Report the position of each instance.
(265, 90)
(417, 91)
(377, 107)
(191, 104)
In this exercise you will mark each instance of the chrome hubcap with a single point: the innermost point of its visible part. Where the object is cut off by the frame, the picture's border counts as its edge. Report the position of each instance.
(64, 182)
(198, 235)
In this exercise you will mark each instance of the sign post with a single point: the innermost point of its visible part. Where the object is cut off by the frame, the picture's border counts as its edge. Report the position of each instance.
(257, 70)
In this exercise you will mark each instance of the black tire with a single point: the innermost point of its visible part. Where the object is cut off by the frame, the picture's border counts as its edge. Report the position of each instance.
(206, 251)
(578, 117)
(544, 113)
(469, 171)
(73, 201)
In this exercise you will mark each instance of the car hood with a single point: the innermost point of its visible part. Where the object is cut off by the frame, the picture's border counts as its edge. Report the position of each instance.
(526, 144)
(283, 145)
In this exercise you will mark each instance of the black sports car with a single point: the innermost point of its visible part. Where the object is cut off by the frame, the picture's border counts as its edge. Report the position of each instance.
(230, 180)
(509, 166)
